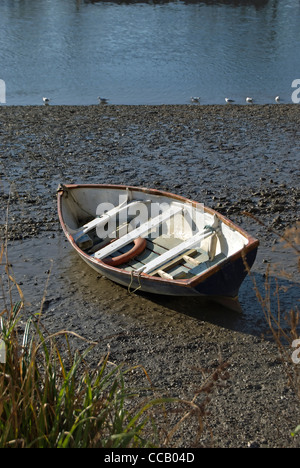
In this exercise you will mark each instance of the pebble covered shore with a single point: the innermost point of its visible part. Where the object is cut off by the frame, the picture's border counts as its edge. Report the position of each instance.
(233, 158)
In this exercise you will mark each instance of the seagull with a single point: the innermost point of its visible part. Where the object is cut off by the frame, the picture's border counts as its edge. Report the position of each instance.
(46, 101)
(102, 100)
(277, 99)
(249, 99)
(229, 100)
(195, 99)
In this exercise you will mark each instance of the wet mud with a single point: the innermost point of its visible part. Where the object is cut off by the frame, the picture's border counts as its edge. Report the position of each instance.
(235, 159)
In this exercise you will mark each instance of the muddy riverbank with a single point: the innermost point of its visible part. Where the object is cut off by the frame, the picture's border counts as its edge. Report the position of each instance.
(232, 158)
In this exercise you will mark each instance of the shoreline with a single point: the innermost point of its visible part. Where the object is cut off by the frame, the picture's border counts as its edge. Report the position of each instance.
(187, 107)
(190, 104)
(234, 158)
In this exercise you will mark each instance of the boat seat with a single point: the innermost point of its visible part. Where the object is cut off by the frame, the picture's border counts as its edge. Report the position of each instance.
(102, 220)
(141, 231)
(175, 254)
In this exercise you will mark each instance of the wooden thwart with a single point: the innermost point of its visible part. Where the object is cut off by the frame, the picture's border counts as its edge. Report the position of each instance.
(141, 231)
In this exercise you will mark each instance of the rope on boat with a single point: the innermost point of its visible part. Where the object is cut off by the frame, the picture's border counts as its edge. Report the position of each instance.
(131, 281)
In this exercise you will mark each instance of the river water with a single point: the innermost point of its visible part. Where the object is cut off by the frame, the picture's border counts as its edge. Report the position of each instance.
(72, 51)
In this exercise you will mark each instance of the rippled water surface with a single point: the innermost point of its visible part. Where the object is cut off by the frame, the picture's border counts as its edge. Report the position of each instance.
(139, 53)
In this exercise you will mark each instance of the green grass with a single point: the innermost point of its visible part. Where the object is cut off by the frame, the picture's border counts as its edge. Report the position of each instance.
(45, 402)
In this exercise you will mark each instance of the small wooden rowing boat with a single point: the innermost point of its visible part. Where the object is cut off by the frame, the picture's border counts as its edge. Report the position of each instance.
(156, 241)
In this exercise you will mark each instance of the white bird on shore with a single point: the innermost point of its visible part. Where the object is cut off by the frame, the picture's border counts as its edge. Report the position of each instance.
(249, 99)
(102, 100)
(277, 99)
(195, 99)
(229, 101)
(46, 101)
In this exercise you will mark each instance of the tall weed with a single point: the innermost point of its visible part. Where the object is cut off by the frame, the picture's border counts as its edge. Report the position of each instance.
(284, 326)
